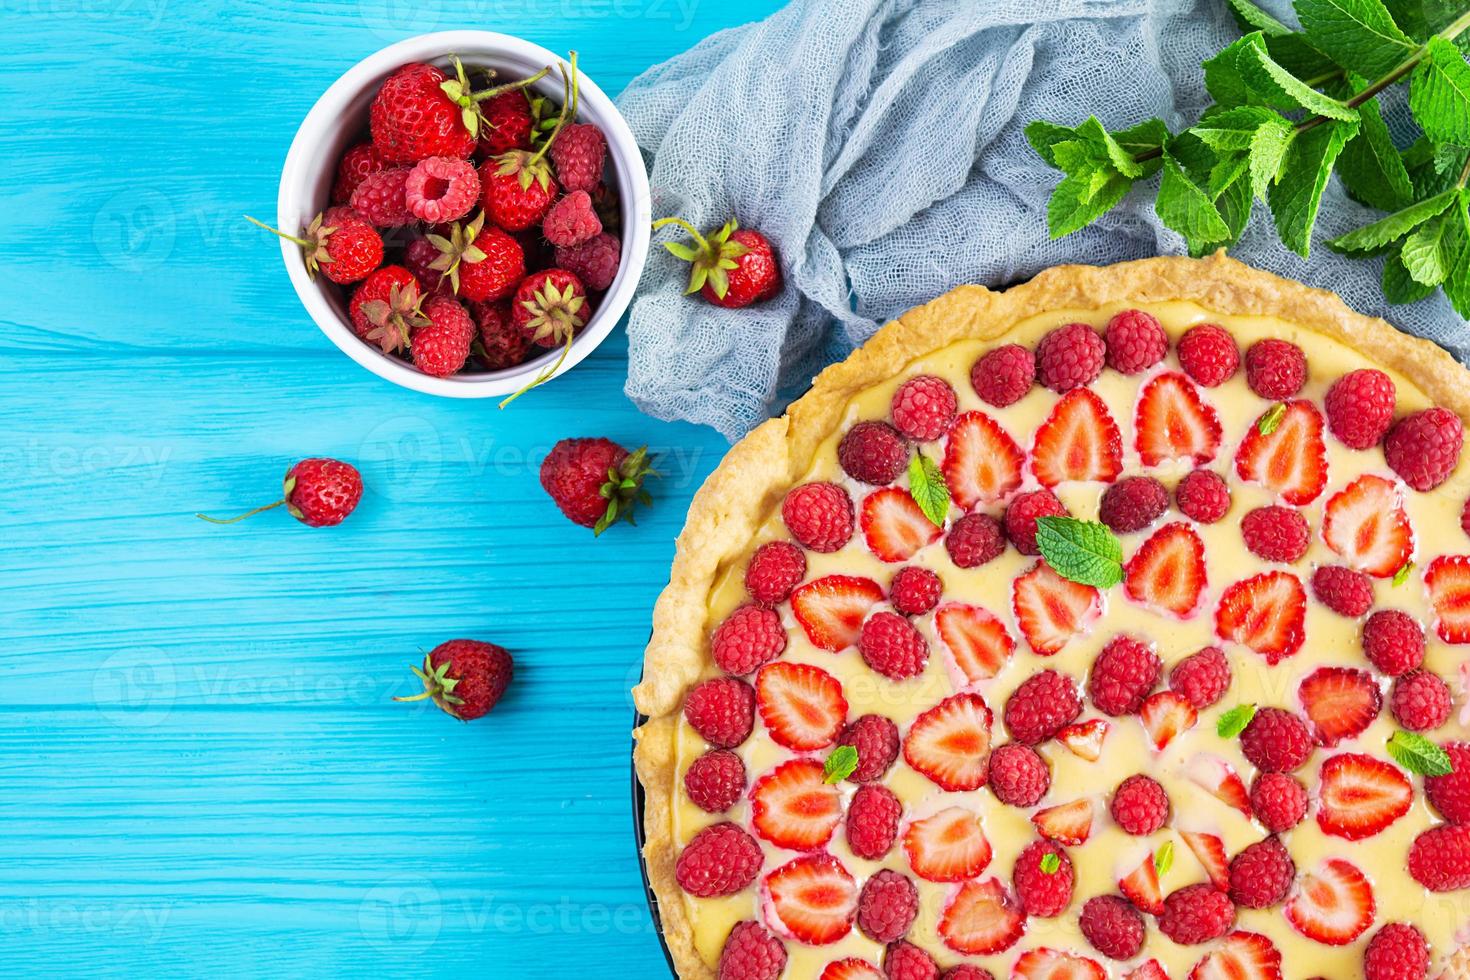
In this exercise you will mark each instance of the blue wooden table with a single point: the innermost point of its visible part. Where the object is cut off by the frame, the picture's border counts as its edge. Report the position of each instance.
(201, 769)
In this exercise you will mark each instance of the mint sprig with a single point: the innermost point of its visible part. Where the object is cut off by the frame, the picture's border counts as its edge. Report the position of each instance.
(1233, 722)
(1050, 863)
(1080, 551)
(1419, 755)
(1271, 419)
(927, 487)
(843, 762)
(1164, 858)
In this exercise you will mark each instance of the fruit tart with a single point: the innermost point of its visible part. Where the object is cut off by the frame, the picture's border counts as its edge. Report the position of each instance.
(1113, 625)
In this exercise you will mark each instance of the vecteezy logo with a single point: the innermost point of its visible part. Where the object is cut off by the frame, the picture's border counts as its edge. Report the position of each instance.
(135, 230)
(135, 688)
(402, 914)
(406, 454)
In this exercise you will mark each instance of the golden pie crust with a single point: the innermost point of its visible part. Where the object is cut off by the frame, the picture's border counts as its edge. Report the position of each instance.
(758, 471)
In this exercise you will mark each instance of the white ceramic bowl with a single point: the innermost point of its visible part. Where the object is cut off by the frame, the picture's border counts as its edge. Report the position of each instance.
(339, 119)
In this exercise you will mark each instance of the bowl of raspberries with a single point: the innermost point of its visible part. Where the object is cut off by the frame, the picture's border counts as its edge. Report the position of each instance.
(464, 214)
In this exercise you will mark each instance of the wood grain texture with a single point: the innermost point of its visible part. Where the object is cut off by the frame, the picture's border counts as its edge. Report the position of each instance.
(202, 770)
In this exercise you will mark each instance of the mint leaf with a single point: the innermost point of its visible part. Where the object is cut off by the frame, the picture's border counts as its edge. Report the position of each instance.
(1402, 575)
(1233, 129)
(1164, 858)
(1398, 285)
(1428, 253)
(843, 762)
(1434, 167)
(1234, 206)
(1093, 133)
(1245, 74)
(1044, 136)
(1080, 551)
(1457, 283)
(1233, 722)
(1092, 187)
(1297, 195)
(1268, 148)
(1439, 93)
(1146, 137)
(1270, 420)
(927, 487)
(1183, 206)
(1373, 238)
(1254, 18)
(1371, 167)
(1358, 34)
(1419, 755)
(1050, 863)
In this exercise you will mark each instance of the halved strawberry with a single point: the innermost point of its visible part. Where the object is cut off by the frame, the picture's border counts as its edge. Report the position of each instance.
(1209, 850)
(813, 899)
(1359, 796)
(1084, 739)
(1141, 886)
(1050, 609)
(802, 706)
(1218, 778)
(982, 463)
(1078, 441)
(1366, 523)
(1292, 460)
(851, 968)
(894, 526)
(1066, 823)
(1240, 956)
(1148, 970)
(1168, 570)
(1333, 904)
(982, 917)
(1166, 714)
(1173, 422)
(949, 846)
(831, 610)
(793, 806)
(1340, 703)
(1265, 612)
(1043, 963)
(1448, 582)
(950, 743)
(977, 641)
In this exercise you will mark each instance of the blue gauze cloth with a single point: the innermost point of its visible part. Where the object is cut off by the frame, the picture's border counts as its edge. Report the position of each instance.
(879, 144)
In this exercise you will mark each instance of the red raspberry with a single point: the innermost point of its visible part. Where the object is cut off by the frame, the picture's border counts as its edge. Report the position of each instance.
(1069, 357)
(578, 153)
(1203, 496)
(1450, 795)
(774, 570)
(381, 198)
(1018, 775)
(719, 860)
(1439, 859)
(1275, 369)
(1041, 706)
(1276, 741)
(1139, 805)
(1135, 342)
(1196, 914)
(750, 953)
(1424, 448)
(924, 407)
(505, 123)
(1398, 951)
(1133, 503)
(914, 590)
(872, 821)
(715, 781)
(891, 646)
(819, 515)
(571, 220)
(385, 307)
(721, 710)
(887, 906)
(1276, 533)
(440, 189)
(751, 637)
(419, 257)
(966, 971)
(1393, 642)
(1122, 676)
(1261, 875)
(441, 346)
(595, 261)
(1419, 701)
(1345, 591)
(1202, 677)
(1021, 515)
(1279, 801)
(876, 740)
(509, 204)
(356, 163)
(1208, 355)
(873, 452)
(1465, 518)
(1112, 925)
(1360, 407)
(1040, 893)
(975, 539)
(503, 346)
(905, 961)
(1003, 376)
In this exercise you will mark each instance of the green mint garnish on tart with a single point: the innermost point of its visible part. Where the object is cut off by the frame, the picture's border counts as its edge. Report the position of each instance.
(927, 487)
(1050, 864)
(843, 762)
(1419, 755)
(1085, 552)
(1271, 421)
(1233, 722)
(1164, 858)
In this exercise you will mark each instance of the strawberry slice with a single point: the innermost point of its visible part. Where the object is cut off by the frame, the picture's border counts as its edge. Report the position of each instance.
(831, 610)
(976, 640)
(949, 846)
(1340, 703)
(851, 968)
(894, 526)
(1218, 778)
(1292, 460)
(1084, 739)
(1448, 582)
(1148, 970)
(1333, 904)
(793, 806)
(1267, 613)
(1044, 963)
(813, 899)
(1173, 422)
(1050, 609)
(802, 706)
(1165, 715)
(1078, 441)
(1366, 523)
(1359, 796)
(1066, 823)
(982, 463)
(950, 743)
(1240, 956)
(1168, 570)
(1141, 886)
(1209, 850)
(982, 917)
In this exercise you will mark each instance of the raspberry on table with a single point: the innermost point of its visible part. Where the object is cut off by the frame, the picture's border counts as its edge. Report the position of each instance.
(1135, 341)
(905, 961)
(1393, 641)
(1261, 874)
(1398, 951)
(1424, 448)
(1439, 859)
(1275, 369)
(1419, 700)
(751, 952)
(1041, 893)
(440, 189)
(594, 261)
(923, 408)
(1068, 357)
(819, 516)
(1276, 533)
(750, 637)
(1113, 926)
(578, 154)
(1276, 740)
(1203, 496)
(1359, 407)
(890, 645)
(915, 590)
(873, 452)
(1343, 590)
(1041, 706)
(715, 781)
(1279, 801)
(1018, 775)
(1004, 375)
(1139, 805)
(1133, 503)
(974, 540)
(1196, 914)
(721, 710)
(1202, 677)
(774, 570)
(1021, 515)
(1208, 355)
(887, 906)
(719, 860)
(382, 199)
(876, 740)
(1450, 794)
(872, 821)
(1122, 676)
